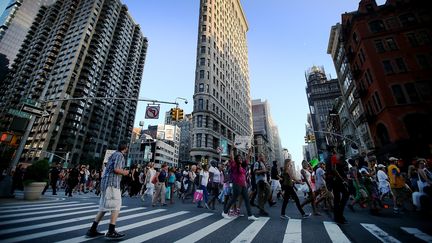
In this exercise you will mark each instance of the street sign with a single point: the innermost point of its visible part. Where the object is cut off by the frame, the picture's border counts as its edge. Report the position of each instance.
(152, 112)
(29, 102)
(242, 142)
(18, 113)
(33, 110)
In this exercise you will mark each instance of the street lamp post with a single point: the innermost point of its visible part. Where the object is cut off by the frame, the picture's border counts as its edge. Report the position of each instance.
(356, 133)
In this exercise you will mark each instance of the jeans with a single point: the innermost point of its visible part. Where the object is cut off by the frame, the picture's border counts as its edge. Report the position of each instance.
(263, 194)
(237, 191)
(160, 191)
(289, 192)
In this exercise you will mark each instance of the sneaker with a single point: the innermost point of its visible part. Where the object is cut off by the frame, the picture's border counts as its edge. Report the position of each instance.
(263, 213)
(91, 234)
(237, 212)
(252, 218)
(285, 217)
(306, 215)
(272, 204)
(114, 235)
(226, 216)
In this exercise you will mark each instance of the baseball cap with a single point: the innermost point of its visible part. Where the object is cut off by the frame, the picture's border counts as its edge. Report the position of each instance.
(381, 166)
(393, 159)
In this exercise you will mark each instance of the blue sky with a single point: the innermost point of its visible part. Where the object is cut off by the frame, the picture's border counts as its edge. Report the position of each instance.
(284, 39)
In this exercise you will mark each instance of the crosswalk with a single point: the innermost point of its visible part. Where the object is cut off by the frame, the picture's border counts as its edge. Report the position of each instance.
(67, 222)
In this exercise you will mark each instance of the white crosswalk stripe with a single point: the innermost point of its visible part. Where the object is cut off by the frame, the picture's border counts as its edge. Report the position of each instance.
(248, 234)
(293, 232)
(131, 226)
(379, 233)
(50, 211)
(198, 235)
(335, 233)
(41, 208)
(18, 206)
(417, 233)
(167, 229)
(23, 220)
(71, 228)
(60, 222)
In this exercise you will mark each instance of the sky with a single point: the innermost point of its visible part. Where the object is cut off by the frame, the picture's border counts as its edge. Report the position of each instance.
(285, 38)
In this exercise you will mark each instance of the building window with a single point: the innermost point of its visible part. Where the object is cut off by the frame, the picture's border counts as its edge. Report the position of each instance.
(203, 38)
(204, 28)
(199, 121)
(412, 92)
(202, 61)
(424, 37)
(388, 68)
(398, 94)
(200, 104)
(412, 39)
(379, 46)
(407, 19)
(401, 64)
(368, 76)
(423, 61)
(377, 101)
(201, 87)
(201, 73)
(425, 90)
(376, 26)
(204, 17)
(391, 43)
(203, 50)
(199, 139)
(355, 38)
(392, 23)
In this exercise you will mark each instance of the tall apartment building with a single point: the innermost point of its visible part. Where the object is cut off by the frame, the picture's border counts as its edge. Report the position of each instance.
(321, 93)
(389, 52)
(350, 110)
(222, 104)
(15, 21)
(76, 49)
(263, 129)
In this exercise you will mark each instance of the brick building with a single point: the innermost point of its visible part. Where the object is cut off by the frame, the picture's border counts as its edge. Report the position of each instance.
(389, 49)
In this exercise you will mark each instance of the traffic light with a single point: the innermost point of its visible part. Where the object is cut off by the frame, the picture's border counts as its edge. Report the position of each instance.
(180, 114)
(173, 114)
(312, 138)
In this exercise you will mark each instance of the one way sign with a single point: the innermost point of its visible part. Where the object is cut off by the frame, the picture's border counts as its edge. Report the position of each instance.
(35, 111)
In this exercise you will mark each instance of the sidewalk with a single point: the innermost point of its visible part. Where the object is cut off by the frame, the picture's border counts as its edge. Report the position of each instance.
(19, 197)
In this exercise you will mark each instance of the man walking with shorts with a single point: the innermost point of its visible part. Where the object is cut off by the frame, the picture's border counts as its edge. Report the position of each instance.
(110, 193)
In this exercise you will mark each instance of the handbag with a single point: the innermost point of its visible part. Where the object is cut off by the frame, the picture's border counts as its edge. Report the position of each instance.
(198, 195)
(168, 193)
(421, 184)
(154, 179)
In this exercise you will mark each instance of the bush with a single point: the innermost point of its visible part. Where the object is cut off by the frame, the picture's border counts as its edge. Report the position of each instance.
(37, 172)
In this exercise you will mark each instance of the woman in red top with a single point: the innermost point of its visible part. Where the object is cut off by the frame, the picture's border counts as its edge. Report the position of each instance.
(238, 174)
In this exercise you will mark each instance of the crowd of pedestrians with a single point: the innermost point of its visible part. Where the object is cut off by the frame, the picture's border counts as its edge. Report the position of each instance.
(327, 186)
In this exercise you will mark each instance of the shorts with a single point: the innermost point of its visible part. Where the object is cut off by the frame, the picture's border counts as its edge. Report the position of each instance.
(110, 200)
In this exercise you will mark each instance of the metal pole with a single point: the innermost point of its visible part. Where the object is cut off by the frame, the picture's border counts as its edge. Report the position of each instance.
(23, 142)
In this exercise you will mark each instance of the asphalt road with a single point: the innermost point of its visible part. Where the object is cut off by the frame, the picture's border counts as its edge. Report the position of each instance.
(58, 218)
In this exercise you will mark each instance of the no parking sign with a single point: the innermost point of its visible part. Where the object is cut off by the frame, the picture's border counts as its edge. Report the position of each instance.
(152, 112)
